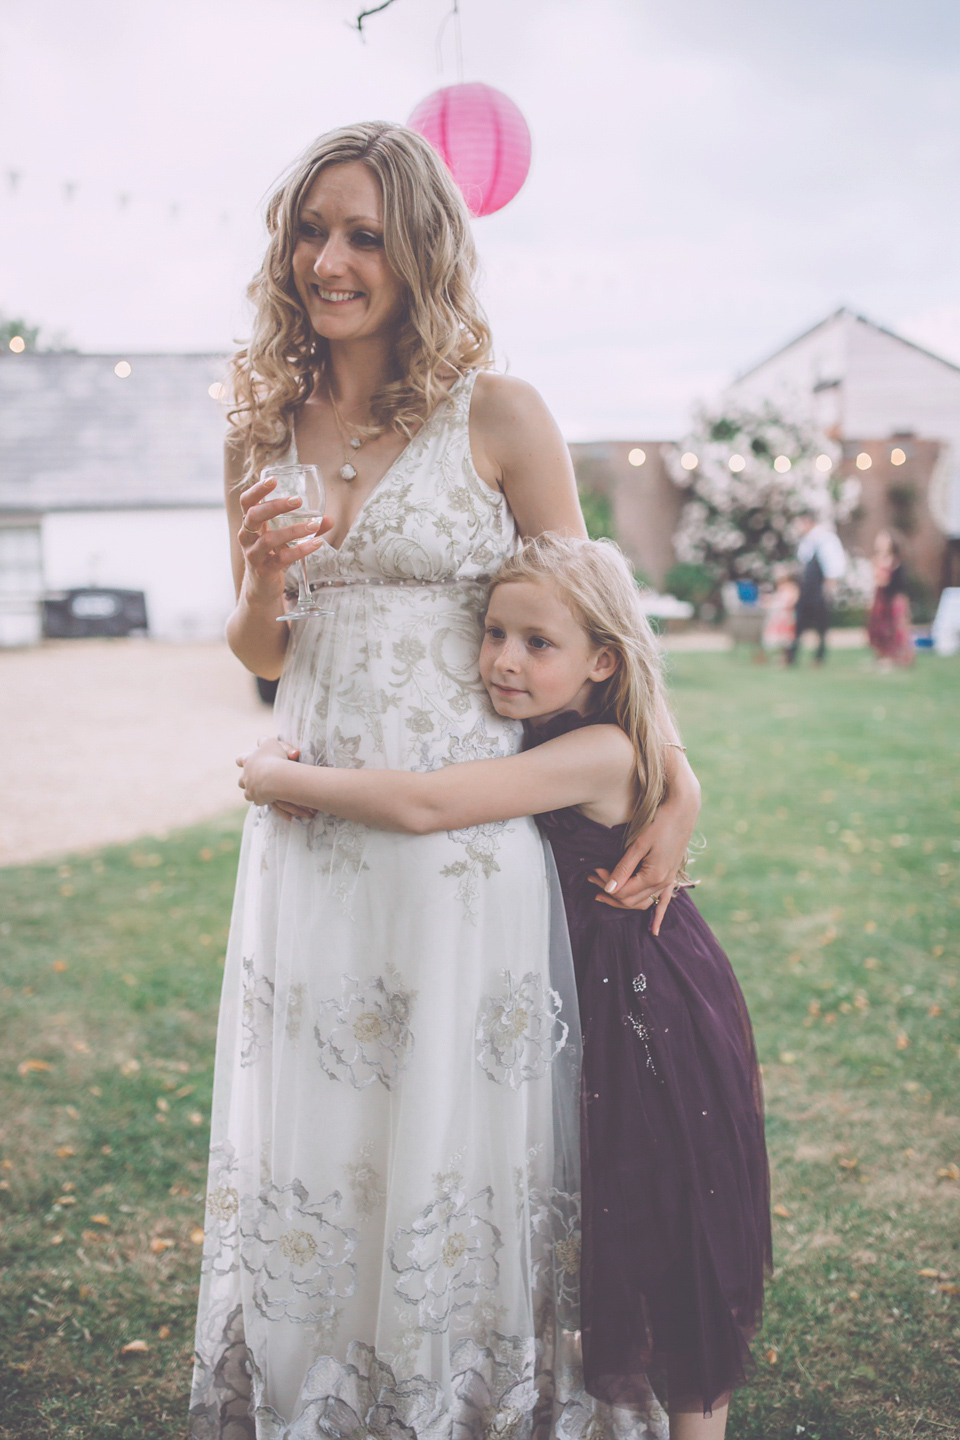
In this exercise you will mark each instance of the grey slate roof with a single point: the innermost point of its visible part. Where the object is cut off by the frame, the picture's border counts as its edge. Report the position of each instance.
(73, 435)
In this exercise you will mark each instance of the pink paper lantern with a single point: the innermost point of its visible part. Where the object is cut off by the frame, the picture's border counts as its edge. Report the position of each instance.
(483, 138)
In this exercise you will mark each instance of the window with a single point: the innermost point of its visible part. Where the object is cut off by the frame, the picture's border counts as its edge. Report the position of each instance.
(21, 565)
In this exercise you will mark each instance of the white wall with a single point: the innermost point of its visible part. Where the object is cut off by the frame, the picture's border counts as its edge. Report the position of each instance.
(892, 387)
(887, 385)
(179, 558)
(788, 378)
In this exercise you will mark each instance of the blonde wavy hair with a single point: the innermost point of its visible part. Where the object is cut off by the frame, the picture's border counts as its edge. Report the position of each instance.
(428, 244)
(594, 580)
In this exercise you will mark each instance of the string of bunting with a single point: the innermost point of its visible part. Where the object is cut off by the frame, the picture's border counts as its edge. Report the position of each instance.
(19, 186)
(478, 130)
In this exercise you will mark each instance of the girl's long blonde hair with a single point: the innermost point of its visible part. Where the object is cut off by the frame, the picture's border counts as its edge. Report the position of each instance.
(595, 582)
(427, 243)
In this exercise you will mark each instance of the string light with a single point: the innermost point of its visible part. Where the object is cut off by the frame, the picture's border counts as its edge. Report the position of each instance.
(823, 463)
(636, 457)
(782, 464)
(123, 368)
(689, 461)
(737, 463)
(898, 456)
(216, 391)
(17, 344)
(864, 461)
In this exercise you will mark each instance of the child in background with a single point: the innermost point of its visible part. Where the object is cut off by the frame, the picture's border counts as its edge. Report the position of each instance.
(780, 626)
(675, 1187)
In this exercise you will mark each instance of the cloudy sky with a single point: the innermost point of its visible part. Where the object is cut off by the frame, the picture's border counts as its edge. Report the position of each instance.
(710, 177)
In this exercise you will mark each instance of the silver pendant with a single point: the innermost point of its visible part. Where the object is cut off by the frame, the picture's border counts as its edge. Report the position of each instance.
(355, 441)
(347, 472)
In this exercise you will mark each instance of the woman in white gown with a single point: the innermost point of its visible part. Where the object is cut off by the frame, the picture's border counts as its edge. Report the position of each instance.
(391, 1232)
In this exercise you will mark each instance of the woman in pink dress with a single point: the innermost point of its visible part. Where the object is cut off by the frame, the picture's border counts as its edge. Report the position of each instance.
(889, 624)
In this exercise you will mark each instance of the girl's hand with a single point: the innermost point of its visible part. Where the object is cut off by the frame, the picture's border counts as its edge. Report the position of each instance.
(288, 811)
(260, 775)
(287, 808)
(268, 551)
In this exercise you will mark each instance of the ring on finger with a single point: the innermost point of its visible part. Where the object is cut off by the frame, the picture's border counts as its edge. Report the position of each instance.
(245, 526)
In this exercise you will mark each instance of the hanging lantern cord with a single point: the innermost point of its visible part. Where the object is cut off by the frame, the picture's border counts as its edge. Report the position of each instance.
(453, 15)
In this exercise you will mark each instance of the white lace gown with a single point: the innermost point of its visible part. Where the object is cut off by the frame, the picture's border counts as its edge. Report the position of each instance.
(392, 1218)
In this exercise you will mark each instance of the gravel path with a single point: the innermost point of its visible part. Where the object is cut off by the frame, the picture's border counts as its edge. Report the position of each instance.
(106, 740)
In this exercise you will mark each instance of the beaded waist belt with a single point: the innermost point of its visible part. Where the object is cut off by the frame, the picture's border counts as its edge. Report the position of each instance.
(342, 582)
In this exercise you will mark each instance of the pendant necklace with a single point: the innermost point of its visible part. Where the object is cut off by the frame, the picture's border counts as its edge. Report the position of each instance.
(347, 471)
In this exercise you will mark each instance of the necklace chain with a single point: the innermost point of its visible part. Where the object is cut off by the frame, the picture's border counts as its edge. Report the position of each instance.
(347, 471)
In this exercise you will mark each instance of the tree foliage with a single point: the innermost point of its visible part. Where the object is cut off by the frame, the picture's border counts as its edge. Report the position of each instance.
(597, 515)
(15, 325)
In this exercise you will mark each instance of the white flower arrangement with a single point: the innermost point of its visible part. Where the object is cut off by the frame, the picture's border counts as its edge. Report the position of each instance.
(748, 476)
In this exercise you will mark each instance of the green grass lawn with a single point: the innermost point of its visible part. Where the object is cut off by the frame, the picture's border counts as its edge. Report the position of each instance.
(830, 872)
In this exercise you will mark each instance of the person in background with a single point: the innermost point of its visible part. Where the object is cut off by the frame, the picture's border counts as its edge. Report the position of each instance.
(889, 625)
(779, 627)
(822, 562)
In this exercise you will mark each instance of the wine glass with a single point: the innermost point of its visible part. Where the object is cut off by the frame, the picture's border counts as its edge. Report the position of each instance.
(304, 483)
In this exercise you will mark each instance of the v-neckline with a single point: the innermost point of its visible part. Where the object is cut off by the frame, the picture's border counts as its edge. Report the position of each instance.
(391, 467)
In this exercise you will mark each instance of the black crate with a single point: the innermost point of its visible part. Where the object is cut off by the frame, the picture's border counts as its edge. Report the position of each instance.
(80, 614)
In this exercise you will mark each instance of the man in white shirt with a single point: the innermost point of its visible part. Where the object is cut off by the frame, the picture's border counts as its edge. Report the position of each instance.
(822, 562)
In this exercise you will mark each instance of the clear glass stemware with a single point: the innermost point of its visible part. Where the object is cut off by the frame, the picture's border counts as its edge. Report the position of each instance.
(304, 483)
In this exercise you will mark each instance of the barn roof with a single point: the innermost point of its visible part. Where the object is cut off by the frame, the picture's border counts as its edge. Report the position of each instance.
(841, 315)
(74, 435)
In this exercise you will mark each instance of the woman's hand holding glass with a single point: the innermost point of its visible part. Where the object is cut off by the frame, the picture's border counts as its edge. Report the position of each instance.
(270, 539)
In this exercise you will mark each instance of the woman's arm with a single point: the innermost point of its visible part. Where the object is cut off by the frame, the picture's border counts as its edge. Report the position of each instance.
(260, 556)
(586, 767)
(517, 448)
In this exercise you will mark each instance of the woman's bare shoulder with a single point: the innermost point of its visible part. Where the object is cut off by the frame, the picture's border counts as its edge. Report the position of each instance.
(505, 399)
(511, 432)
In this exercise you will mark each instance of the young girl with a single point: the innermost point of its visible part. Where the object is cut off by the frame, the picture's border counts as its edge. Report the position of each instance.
(780, 625)
(675, 1189)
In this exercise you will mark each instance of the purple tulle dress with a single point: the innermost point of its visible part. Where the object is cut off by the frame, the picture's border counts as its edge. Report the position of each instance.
(675, 1185)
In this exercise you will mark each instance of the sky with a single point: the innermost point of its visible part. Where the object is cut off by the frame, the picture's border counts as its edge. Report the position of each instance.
(709, 177)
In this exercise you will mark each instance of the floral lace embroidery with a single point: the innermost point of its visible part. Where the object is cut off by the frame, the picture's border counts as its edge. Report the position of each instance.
(299, 1257)
(366, 1036)
(519, 1034)
(448, 1255)
(339, 846)
(366, 1183)
(222, 1387)
(555, 1262)
(258, 993)
(221, 1225)
(496, 1391)
(480, 850)
(296, 999)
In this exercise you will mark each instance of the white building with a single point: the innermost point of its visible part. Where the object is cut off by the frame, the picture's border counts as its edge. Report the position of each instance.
(860, 382)
(111, 475)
